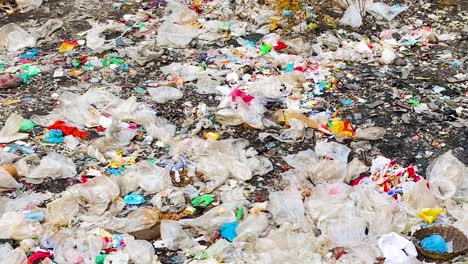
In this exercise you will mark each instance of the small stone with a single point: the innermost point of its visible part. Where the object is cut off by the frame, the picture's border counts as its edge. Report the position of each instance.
(432, 38)
(400, 62)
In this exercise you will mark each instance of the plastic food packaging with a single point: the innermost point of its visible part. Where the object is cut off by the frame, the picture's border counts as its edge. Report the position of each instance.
(95, 194)
(446, 176)
(13, 225)
(286, 207)
(62, 210)
(12, 256)
(14, 38)
(9, 132)
(175, 237)
(351, 17)
(54, 166)
(165, 94)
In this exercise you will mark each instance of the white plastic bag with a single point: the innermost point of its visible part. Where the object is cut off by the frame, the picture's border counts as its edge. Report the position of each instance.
(175, 36)
(13, 225)
(446, 176)
(138, 220)
(351, 17)
(175, 237)
(381, 10)
(12, 256)
(9, 132)
(62, 210)
(286, 207)
(139, 251)
(14, 38)
(28, 5)
(165, 94)
(7, 181)
(397, 249)
(388, 55)
(54, 166)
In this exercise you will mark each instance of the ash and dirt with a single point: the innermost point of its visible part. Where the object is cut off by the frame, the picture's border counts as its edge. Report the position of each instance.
(412, 138)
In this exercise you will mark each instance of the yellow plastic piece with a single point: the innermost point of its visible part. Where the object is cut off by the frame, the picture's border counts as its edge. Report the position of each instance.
(430, 214)
(211, 135)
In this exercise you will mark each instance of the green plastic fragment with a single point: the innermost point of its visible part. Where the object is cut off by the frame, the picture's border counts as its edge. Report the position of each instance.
(100, 258)
(26, 77)
(31, 70)
(414, 102)
(240, 213)
(265, 49)
(2, 66)
(76, 63)
(140, 90)
(203, 200)
(27, 125)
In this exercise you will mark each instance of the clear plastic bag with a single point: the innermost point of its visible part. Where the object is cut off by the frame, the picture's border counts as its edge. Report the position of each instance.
(165, 94)
(62, 210)
(332, 150)
(54, 166)
(139, 251)
(138, 220)
(96, 194)
(381, 10)
(152, 178)
(388, 56)
(446, 175)
(175, 36)
(144, 53)
(210, 222)
(175, 237)
(371, 133)
(351, 17)
(13, 225)
(14, 38)
(76, 246)
(7, 181)
(28, 5)
(286, 207)
(12, 256)
(9, 132)
(417, 196)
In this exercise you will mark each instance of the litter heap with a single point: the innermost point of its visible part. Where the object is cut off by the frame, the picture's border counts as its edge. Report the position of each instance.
(141, 186)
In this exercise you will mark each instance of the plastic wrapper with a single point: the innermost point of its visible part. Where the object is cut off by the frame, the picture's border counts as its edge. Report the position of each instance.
(7, 181)
(96, 194)
(14, 38)
(351, 17)
(270, 87)
(175, 237)
(138, 220)
(12, 256)
(62, 210)
(9, 131)
(286, 207)
(165, 94)
(54, 166)
(446, 175)
(13, 225)
(381, 10)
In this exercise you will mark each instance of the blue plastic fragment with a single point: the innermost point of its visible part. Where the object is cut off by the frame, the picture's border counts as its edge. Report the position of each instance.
(55, 136)
(229, 231)
(30, 54)
(39, 216)
(134, 199)
(435, 243)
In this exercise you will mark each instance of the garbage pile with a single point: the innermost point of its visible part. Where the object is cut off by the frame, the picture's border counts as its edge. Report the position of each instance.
(234, 146)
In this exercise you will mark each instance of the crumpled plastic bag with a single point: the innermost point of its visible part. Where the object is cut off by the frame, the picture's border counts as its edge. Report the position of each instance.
(397, 249)
(144, 53)
(13, 225)
(139, 251)
(28, 5)
(14, 38)
(97, 43)
(62, 210)
(175, 237)
(96, 194)
(54, 166)
(138, 220)
(446, 176)
(270, 87)
(287, 207)
(152, 178)
(7, 181)
(47, 28)
(417, 196)
(12, 256)
(175, 36)
(351, 17)
(76, 246)
(210, 222)
(381, 10)
(388, 55)
(9, 132)
(165, 94)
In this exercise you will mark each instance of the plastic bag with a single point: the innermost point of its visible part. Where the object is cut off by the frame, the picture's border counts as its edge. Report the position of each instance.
(446, 176)
(138, 220)
(381, 10)
(177, 12)
(175, 237)
(144, 53)
(255, 224)
(14, 38)
(169, 202)
(97, 43)
(95, 194)
(13, 225)
(351, 17)
(7, 181)
(28, 5)
(286, 207)
(417, 196)
(54, 166)
(152, 178)
(139, 251)
(210, 222)
(388, 56)
(336, 151)
(175, 36)
(9, 132)
(270, 87)
(165, 94)
(76, 246)
(47, 28)
(62, 210)
(397, 249)
(12, 256)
